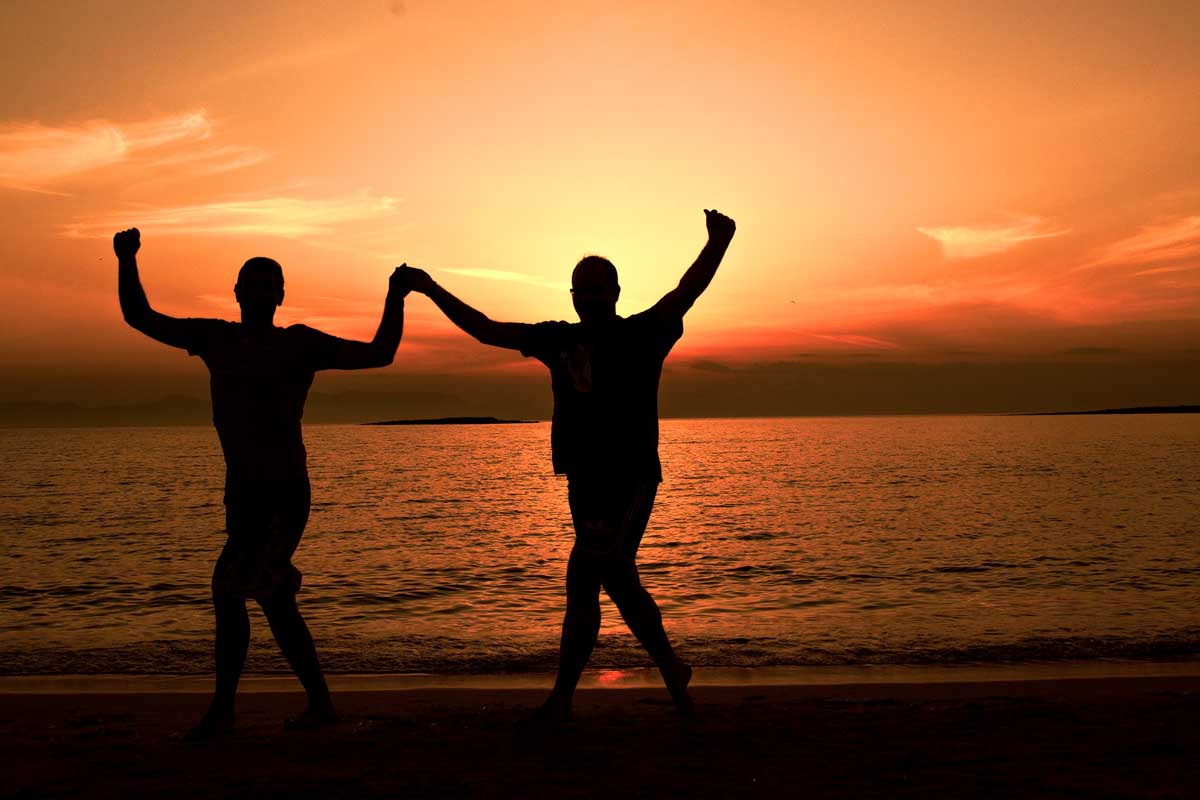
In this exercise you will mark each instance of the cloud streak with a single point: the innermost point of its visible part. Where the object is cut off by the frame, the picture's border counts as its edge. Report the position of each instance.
(287, 217)
(33, 155)
(213, 160)
(961, 242)
(1166, 243)
(505, 275)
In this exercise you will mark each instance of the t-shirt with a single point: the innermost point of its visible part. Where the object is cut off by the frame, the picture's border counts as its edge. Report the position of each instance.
(605, 383)
(259, 385)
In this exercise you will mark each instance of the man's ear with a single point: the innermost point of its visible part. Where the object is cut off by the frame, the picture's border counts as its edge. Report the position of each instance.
(279, 302)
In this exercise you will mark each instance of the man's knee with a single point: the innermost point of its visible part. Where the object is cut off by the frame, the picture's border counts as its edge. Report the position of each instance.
(278, 604)
(621, 577)
(224, 596)
(583, 611)
(228, 605)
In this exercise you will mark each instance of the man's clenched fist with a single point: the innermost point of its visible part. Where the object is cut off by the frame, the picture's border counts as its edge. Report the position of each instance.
(126, 243)
(719, 225)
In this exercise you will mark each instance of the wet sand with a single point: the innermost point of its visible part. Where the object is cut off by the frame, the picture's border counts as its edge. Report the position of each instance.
(1107, 737)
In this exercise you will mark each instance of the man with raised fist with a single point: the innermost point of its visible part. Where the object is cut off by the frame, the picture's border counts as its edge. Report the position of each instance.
(260, 377)
(604, 371)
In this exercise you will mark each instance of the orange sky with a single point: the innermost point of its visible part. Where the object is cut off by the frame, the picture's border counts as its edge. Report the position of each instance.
(918, 182)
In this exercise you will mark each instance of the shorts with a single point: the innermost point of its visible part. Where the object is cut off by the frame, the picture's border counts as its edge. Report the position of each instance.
(610, 517)
(264, 520)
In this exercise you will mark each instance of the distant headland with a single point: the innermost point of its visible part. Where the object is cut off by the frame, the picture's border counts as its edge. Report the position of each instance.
(455, 421)
(1135, 410)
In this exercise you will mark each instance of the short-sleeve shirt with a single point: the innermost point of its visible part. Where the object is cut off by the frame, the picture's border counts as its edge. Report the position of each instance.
(605, 383)
(259, 384)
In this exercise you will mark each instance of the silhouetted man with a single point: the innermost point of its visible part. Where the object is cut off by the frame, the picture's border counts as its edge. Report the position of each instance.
(260, 376)
(604, 372)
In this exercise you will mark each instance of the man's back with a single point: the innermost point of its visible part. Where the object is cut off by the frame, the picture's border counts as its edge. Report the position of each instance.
(605, 382)
(259, 382)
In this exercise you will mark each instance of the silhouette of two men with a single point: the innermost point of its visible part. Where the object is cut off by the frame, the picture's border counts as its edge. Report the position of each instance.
(604, 372)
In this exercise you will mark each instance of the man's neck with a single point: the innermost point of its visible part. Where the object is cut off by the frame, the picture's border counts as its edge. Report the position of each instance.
(600, 323)
(258, 324)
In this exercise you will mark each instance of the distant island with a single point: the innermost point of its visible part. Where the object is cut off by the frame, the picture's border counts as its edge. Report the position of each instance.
(1136, 410)
(455, 421)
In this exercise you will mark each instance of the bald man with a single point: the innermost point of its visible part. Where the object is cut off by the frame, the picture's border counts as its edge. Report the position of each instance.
(604, 372)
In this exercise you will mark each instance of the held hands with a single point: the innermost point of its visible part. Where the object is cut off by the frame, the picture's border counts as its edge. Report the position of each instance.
(720, 227)
(126, 243)
(416, 279)
(398, 285)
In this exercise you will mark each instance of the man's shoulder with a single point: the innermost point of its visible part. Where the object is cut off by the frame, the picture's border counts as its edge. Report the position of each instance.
(550, 330)
(203, 332)
(555, 325)
(306, 333)
(212, 323)
(655, 320)
(540, 339)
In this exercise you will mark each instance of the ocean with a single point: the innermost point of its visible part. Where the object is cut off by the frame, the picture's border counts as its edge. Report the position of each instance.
(833, 542)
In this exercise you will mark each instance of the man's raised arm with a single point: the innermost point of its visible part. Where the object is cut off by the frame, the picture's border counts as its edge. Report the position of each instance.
(134, 305)
(693, 283)
(475, 323)
(380, 351)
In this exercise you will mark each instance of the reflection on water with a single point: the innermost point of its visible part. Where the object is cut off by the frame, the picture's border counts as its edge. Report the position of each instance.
(790, 541)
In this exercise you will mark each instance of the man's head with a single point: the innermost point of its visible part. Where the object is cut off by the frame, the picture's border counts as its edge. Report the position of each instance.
(259, 288)
(594, 289)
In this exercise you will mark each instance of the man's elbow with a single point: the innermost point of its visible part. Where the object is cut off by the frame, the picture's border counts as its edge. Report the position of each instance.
(136, 318)
(490, 333)
(383, 358)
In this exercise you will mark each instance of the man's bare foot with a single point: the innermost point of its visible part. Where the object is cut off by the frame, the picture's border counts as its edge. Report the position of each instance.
(554, 713)
(212, 725)
(317, 715)
(680, 675)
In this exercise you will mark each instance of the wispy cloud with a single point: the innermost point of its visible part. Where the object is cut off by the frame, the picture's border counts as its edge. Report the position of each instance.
(295, 57)
(33, 155)
(1174, 241)
(974, 241)
(857, 340)
(504, 275)
(268, 216)
(213, 160)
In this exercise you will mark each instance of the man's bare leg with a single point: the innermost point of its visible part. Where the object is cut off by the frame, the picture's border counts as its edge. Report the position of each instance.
(581, 627)
(296, 642)
(233, 639)
(644, 619)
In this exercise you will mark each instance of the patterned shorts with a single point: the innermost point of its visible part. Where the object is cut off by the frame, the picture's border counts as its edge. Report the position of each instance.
(264, 520)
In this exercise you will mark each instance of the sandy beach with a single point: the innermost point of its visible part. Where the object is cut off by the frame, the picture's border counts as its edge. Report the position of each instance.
(1094, 737)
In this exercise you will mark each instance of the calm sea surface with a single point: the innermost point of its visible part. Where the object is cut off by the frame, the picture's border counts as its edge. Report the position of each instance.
(915, 540)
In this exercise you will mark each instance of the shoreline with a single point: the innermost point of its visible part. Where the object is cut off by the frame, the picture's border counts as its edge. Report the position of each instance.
(1188, 409)
(616, 679)
(1084, 737)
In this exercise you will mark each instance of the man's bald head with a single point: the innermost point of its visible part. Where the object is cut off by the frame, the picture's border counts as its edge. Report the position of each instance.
(594, 289)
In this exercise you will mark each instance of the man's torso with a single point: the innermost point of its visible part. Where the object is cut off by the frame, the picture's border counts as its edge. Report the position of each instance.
(259, 383)
(605, 384)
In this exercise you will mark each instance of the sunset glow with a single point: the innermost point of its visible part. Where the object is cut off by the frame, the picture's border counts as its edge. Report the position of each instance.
(918, 183)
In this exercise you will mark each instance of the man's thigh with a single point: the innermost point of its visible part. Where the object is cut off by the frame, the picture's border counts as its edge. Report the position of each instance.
(610, 517)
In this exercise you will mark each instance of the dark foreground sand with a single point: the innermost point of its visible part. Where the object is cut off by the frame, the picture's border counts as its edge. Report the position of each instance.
(1124, 737)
